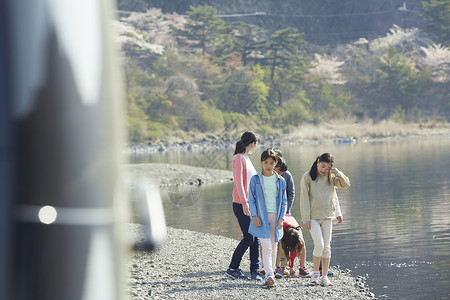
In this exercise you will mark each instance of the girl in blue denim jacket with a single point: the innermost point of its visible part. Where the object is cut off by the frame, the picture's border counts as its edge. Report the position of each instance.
(267, 202)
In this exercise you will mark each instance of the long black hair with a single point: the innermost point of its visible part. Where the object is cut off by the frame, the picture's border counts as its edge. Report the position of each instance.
(326, 157)
(247, 138)
(291, 241)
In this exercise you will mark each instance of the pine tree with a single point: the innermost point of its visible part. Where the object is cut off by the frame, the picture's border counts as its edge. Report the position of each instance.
(437, 15)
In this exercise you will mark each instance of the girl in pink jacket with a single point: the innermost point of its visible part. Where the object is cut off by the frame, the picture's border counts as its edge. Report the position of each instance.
(243, 170)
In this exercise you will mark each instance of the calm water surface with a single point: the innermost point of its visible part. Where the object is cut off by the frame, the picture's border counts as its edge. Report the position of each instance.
(396, 225)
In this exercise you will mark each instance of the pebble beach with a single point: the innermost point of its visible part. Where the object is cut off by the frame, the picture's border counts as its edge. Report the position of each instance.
(192, 265)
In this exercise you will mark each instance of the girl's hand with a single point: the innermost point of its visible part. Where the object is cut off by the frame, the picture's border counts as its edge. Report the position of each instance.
(280, 224)
(246, 209)
(308, 225)
(256, 221)
(291, 271)
(340, 219)
(334, 171)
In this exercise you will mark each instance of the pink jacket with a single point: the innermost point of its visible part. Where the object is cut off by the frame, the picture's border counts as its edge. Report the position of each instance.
(240, 188)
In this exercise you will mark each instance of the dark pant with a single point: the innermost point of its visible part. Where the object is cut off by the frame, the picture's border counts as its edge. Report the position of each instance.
(248, 241)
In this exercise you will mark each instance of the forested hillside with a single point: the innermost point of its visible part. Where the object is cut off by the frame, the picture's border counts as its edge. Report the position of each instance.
(204, 72)
(321, 21)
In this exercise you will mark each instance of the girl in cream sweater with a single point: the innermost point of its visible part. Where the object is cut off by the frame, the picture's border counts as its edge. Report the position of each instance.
(319, 206)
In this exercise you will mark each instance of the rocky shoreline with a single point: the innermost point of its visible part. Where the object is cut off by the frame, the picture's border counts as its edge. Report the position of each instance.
(176, 175)
(213, 142)
(210, 143)
(191, 265)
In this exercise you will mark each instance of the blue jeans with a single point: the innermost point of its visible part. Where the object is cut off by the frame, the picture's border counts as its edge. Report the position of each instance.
(248, 241)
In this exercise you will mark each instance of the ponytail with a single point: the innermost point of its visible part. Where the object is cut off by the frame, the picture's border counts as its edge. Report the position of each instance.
(326, 157)
(247, 138)
(240, 147)
(313, 171)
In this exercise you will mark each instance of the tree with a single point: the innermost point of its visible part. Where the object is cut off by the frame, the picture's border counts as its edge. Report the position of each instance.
(284, 59)
(249, 40)
(137, 120)
(437, 59)
(400, 80)
(437, 15)
(296, 110)
(203, 27)
(234, 95)
(259, 92)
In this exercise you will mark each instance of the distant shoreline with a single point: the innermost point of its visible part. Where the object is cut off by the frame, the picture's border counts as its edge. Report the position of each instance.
(177, 175)
(306, 135)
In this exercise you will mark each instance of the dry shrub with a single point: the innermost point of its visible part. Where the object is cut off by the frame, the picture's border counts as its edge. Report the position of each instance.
(362, 130)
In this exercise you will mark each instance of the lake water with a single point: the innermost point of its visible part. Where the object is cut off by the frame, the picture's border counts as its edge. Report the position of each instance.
(396, 225)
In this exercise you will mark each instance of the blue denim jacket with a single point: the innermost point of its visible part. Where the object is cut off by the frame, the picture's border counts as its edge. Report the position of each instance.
(257, 204)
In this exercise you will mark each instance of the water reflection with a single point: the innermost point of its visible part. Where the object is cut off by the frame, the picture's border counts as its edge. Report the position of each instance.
(183, 196)
(396, 213)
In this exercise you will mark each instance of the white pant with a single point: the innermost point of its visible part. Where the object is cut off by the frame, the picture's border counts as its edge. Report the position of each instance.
(269, 247)
(321, 235)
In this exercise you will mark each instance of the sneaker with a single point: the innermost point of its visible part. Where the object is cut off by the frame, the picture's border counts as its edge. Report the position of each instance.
(315, 279)
(303, 272)
(235, 274)
(279, 272)
(256, 276)
(270, 281)
(326, 281)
